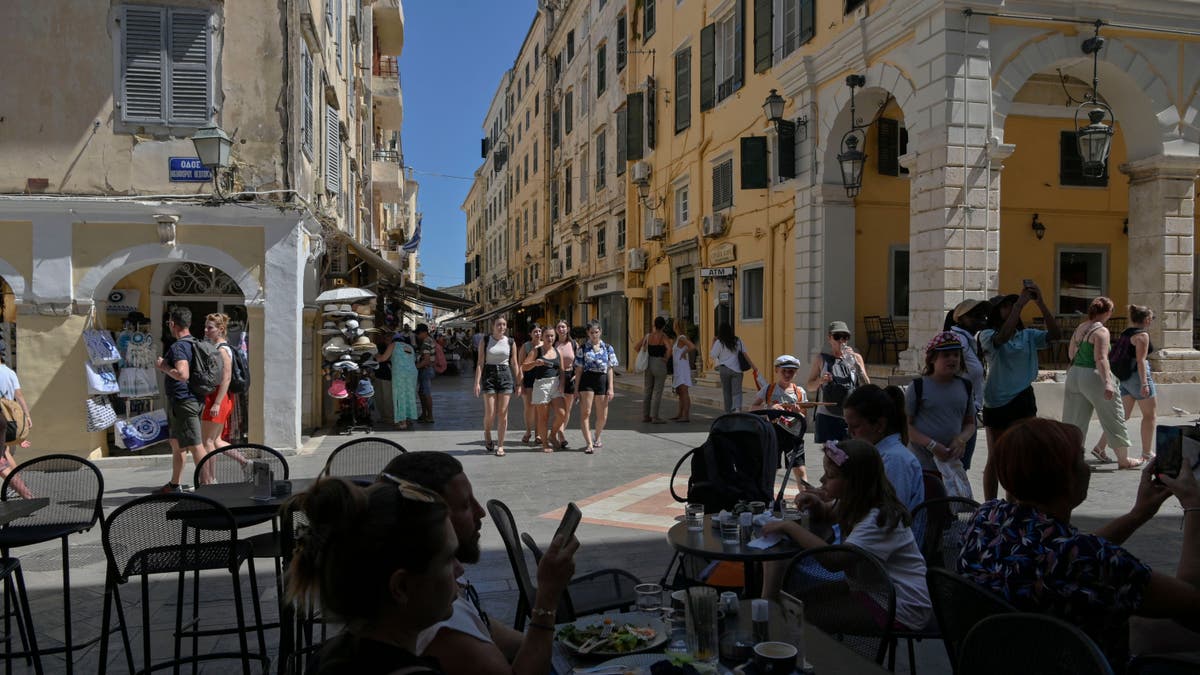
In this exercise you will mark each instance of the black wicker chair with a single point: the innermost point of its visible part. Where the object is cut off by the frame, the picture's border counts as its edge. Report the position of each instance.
(959, 604)
(846, 593)
(175, 534)
(599, 591)
(14, 583)
(75, 489)
(362, 457)
(1164, 664)
(944, 521)
(1030, 644)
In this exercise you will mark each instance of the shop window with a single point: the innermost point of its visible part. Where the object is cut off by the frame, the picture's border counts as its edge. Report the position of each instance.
(898, 281)
(752, 293)
(1070, 164)
(601, 242)
(1082, 275)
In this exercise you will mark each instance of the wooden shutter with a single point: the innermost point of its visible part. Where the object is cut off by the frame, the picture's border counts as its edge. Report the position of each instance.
(808, 20)
(333, 152)
(651, 115)
(723, 185)
(762, 35)
(601, 55)
(634, 138)
(683, 89)
(306, 98)
(887, 145)
(755, 174)
(708, 67)
(622, 133)
(739, 45)
(601, 159)
(142, 81)
(903, 149)
(622, 43)
(569, 113)
(648, 19)
(787, 150)
(189, 50)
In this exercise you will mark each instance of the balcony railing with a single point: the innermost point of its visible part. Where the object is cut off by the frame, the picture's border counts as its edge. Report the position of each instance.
(393, 156)
(386, 66)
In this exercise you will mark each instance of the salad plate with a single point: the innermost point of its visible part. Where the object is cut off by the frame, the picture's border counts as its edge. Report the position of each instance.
(630, 634)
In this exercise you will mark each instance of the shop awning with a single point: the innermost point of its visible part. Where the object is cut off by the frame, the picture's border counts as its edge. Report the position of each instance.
(496, 312)
(385, 268)
(428, 296)
(540, 296)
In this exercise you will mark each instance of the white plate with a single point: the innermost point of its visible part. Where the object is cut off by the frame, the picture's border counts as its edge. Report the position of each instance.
(641, 661)
(633, 619)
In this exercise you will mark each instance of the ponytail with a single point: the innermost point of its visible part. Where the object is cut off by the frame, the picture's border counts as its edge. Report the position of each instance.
(873, 403)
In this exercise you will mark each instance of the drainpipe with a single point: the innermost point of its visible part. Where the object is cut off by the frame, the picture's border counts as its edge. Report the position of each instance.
(967, 210)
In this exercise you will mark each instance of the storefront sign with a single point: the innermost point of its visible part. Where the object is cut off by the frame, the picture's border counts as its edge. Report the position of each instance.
(724, 253)
(710, 272)
(605, 286)
(188, 170)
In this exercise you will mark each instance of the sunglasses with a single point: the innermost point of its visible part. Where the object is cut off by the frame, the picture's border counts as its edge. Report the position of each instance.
(841, 336)
(410, 490)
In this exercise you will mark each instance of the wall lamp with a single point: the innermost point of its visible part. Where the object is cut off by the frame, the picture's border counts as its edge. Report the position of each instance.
(212, 146)
(1039, 228)
(773, 108)
(643, 188)
(851, 159)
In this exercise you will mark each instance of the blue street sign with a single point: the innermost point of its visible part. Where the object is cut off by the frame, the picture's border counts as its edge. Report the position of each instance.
(188, 170)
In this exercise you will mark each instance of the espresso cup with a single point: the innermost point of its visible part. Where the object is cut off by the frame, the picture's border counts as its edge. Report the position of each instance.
(775, 658)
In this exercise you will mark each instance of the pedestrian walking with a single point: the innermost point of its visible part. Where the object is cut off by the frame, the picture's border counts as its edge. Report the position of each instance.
(15, 423)
(403, 360)
(495, 378)
(219, 404)
(834, 374)
(1091, 386)
(1129, 362)
(967, 319)
(594, 372)
(527, 377)
(183, 406)
(941, 413)
(426, 350)
(566, 398)
(1011, 353)
(731, 360)
(545, 363)
(785, 394)
(681, 352)
(658, 348)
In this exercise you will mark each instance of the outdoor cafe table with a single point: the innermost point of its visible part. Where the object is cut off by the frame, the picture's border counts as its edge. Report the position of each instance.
(707, 544)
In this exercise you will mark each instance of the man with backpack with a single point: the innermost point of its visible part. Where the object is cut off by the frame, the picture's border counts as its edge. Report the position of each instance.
(834, 374)
(190, 366)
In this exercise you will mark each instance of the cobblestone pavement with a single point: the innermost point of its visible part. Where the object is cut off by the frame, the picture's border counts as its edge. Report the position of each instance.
(622, 489)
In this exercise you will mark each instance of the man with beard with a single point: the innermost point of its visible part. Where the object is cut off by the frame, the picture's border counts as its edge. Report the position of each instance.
(471, 642)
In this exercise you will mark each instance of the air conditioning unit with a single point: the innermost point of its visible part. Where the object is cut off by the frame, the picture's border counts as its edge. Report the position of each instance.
(337, 261)
(714, 225)
(636, 259)
(556, 267)
(640, 172)
(656, 228)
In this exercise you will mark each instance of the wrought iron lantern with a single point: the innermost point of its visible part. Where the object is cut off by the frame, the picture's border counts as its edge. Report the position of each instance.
(1095, 137)
(851, 158)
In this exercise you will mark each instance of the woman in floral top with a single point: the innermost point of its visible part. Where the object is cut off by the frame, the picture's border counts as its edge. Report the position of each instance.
(594, 372)
(1027, 551)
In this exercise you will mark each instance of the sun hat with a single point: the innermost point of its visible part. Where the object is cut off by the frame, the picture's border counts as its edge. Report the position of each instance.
(345, 363)
(335, 348)
(329, 328)
(787, 361)
(365, 389)
(364, 344)
(330, 308)
(945, 341)
(353, 334)
(967, 306)
(338, 389)
(350, 323)
(836, 327)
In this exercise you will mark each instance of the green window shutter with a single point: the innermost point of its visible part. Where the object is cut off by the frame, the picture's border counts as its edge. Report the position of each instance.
(622, 133)
(634, 138)
(887, 144)
(739, 45)
(808, 20)
(333, 151)
(189, 67)
(683, 89)
(755, 175)
(569, 113)
(143, 81)
(622, 42)
(651, 114)
(708, 67)
(787, 150)
(601, 57)
(762, 35)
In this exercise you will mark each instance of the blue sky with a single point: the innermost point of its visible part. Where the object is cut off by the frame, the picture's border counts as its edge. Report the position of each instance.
(454, 54)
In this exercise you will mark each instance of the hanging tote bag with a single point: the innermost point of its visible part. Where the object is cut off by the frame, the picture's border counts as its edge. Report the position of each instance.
(100, 413)
(142, 430)
(642, 362)
(101, 380)
(101, 348)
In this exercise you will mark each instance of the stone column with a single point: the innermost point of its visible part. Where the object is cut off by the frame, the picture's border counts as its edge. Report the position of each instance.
(1161, 244)
(277, 399)
(824, 264)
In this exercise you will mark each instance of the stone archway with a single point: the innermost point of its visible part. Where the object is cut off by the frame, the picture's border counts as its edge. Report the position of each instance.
(100, 279)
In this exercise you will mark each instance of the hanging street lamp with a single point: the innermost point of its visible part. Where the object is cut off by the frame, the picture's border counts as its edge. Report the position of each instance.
(851, 159)
(1094, 138)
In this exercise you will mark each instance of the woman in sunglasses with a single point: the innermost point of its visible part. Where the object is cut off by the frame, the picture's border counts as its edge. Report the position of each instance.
(380, 559)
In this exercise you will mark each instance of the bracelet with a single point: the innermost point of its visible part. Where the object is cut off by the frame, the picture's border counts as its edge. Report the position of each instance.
(931, 445)
(534, 624)
(537, 612)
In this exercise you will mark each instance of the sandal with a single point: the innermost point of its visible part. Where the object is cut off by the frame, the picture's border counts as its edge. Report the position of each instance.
(597, 444)
(489, 446)
(499, 451)
(547, 449)
(525, 438)
(1131, 464)
(1102, 456)
(588, 451)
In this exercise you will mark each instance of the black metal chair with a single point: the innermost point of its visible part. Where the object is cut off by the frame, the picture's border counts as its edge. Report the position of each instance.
(600, 591)
(176, 533)
(527, 593)
(944, 521)
(14, 582)
(1030, 644)
(874, 336)
(846, 593)
(894, 337)
(959, 604)
(362, 457)
(75, 489)
(1164, 664)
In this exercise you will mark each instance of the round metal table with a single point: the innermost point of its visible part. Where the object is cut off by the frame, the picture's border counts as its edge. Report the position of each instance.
(707, 544)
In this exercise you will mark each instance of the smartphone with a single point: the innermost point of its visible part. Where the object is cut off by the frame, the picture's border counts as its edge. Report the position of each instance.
(1028, 283)
(569, 522)
(1169, 442)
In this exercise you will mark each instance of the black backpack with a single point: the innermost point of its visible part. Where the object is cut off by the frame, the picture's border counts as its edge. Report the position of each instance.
(1122, 358)
(844, 381)
(737, 462)
(204, 368)
(239, 379)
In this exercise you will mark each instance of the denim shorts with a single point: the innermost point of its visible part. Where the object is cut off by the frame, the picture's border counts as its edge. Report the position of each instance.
(1132, 386)
(497, 379)
(425, 381)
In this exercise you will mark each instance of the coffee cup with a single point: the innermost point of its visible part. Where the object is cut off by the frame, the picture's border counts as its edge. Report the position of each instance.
(775, 658)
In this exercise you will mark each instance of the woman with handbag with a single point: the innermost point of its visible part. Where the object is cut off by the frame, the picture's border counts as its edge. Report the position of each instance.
(732, 361)
(657, 346)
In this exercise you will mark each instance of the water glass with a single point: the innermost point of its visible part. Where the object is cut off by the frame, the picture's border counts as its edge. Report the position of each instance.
(677, 638)
(649, 597)
(694, 514)
(730, 532)
(703, 637)
(791, 512)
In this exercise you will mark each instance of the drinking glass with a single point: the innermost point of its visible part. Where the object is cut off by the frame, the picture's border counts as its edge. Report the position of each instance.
(703, 638)
(694, 514)
(791, 513)
(649, 597)
(730, 532)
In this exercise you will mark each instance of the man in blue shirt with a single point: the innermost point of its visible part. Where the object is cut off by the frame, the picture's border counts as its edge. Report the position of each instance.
(183, 406)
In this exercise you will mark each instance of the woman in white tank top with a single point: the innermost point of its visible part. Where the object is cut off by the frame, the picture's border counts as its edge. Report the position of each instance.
(495, 378)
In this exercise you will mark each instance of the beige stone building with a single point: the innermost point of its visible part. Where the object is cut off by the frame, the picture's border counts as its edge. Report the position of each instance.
(103, 204)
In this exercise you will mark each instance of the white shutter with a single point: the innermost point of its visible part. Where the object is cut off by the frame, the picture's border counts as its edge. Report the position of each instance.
(189, 67)
(777, 22)
(306, 122)
(791, 26)
(142, 81)
(333, 151)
